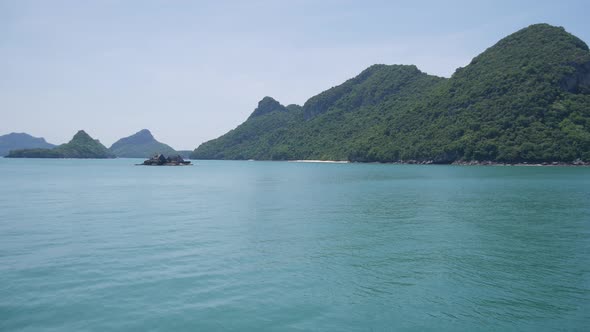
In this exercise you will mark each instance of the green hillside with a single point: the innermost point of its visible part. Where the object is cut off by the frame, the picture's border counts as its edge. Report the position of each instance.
(329, 125)
(524, 99)
(140, 145)
(527, 98)
(81, 146)
(257, 138)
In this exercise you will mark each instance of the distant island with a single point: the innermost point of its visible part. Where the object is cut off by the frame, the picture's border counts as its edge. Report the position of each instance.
(15, 141)
(81, 146)
(140, 145)
(524, 100)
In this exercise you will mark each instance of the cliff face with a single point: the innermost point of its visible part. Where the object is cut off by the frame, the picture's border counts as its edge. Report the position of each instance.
(266, 106)
(579, 80)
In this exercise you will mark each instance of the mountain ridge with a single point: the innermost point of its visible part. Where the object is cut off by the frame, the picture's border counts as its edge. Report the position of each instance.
(81, 146)
(17, 141)
(524, 99)
(140, 145)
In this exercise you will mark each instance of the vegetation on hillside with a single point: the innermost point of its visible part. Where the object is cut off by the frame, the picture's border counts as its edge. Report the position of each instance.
(328, 125)
(525, 99)
(15, 141)
(81, 146)
(140, 145)
(258, 137)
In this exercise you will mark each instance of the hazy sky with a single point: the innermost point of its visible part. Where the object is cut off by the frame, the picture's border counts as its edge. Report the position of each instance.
(191, 70)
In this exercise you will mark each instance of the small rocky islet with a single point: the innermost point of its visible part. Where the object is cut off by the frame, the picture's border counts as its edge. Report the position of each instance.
(161, 160)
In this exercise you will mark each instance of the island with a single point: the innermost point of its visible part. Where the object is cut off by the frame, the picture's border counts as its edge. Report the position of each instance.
(21, 141)
(140, 145)
(161, 160)
(82, 146)
(524, 100)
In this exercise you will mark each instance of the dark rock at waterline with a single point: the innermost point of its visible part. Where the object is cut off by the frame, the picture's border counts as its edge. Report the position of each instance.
(161, 160)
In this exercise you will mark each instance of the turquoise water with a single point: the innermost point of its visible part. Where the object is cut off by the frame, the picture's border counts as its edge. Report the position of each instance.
(103, 245)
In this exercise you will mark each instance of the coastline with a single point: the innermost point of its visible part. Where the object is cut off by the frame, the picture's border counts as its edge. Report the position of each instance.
(542, 164)
(320, 161)
(577, 163)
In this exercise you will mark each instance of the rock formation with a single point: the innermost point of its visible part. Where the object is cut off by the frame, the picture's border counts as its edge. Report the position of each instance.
(161, 160)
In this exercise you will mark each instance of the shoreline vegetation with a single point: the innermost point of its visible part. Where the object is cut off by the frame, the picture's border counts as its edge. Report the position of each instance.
(577, 163)
(494, 163)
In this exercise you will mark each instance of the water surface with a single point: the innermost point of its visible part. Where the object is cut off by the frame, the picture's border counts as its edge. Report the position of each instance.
(272, 246)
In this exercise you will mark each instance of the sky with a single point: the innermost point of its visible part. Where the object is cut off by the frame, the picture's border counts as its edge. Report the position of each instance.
(192, 70)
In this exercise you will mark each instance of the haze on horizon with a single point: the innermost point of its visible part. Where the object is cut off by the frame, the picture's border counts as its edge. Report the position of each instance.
(191, 71)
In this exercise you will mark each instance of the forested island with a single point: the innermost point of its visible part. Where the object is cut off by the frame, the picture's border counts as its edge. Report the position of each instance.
(81, 146)
(139, 145)
(524, 100)
(16, 141)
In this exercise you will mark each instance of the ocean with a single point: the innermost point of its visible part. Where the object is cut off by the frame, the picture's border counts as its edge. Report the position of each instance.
(103, 245)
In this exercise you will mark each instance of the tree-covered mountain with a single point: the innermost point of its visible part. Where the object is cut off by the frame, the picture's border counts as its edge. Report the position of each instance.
(527, 98)
(16, 141)
(140, 145)
(81, 146)
(257, 137)
(328, 125)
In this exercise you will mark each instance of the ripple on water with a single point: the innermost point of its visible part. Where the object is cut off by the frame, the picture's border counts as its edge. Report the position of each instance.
(292, 247)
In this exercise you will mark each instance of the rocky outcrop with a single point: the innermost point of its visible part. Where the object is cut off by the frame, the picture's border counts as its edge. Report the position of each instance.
(267, 105)
(161, 160)
(579, 80)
